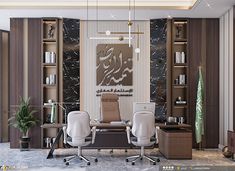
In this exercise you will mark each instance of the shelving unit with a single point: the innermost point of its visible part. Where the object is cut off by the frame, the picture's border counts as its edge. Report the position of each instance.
(49, 77)
(180, 68)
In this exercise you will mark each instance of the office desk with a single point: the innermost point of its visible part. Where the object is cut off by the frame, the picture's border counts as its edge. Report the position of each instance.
(117, 138)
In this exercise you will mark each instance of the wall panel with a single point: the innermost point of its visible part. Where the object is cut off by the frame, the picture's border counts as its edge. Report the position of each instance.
(34, 75)
(141, 69)
(16, 70)
(226, 76)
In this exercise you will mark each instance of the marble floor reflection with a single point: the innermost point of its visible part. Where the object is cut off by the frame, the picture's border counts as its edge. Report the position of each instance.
(35, 159)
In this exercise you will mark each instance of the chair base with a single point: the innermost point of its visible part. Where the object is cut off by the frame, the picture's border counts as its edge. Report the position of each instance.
(140, 157)
(81, 157)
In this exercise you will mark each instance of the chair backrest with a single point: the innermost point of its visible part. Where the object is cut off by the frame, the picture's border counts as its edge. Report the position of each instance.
(144, 106)
(109, 108)
(78, 127)
(143, 126)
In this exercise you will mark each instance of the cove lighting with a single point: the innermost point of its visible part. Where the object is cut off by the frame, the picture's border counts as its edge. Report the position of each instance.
(169, 4)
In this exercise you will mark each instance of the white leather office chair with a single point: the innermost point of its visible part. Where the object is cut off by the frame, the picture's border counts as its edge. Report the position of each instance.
(78, 129)
(143, 129)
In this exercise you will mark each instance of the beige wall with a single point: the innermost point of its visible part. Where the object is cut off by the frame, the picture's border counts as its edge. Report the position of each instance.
(226, 75)
(141, 67)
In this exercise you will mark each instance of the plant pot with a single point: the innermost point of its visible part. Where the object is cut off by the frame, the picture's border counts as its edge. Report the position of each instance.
(24, 143)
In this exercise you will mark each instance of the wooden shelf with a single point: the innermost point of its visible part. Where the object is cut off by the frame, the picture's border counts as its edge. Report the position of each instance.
(180, 106)
(51, 43)
(49, 64)
(180, 22)
(179, 86)
(49, 21)
(49, 91)
(177, 42)
(180, 65)
(49, 86)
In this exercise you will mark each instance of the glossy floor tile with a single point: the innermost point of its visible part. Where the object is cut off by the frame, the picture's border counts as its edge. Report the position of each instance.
(35, 159)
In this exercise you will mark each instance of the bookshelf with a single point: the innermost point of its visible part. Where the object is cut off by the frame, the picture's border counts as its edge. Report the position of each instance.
(179, 69)
(49, 79)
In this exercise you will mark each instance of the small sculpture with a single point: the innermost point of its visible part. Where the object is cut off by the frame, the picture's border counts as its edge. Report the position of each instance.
(51, 31)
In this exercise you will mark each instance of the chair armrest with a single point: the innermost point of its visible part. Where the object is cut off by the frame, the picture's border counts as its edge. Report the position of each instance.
(156, 134)
(65, 134)
(93, 130)
(128, 130)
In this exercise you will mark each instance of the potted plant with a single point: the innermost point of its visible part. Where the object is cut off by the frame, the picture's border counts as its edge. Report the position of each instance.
(23, 120)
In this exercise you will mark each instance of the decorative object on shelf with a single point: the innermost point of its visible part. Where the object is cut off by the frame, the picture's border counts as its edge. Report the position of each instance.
(47, 80)
(53, 112)
(48, 142)
(51, 31)
(52, 79)
(50, 57)
(179, 57)
(23, 120)
(179, 31)
(182, 79)
(180, 120)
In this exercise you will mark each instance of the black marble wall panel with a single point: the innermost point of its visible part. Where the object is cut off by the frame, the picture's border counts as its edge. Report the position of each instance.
(71, 64)
(158, 66)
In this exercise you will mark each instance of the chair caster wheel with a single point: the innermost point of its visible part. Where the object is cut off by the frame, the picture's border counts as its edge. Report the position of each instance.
(141, 158)
(67, 163)
(158, 160)
(127, 160)
(154, 163)
(65, 160)
(88, 164)
(126, 151)
(133, 163)
(96, 160)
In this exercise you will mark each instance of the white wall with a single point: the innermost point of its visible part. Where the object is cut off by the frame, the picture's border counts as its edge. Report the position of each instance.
(226, 75)
(141, 68)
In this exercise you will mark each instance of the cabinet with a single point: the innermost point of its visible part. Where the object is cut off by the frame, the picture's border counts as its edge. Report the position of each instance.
(179, 68)
(231, 142)
(49, 78)
(175, 143)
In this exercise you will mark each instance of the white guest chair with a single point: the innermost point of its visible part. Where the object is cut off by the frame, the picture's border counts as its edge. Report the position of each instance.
(76, 134)
(143, 130)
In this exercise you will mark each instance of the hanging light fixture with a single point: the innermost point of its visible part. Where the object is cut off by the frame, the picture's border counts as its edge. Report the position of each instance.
(108, 32)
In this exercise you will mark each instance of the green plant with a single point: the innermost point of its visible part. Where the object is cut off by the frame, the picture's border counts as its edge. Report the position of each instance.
(23, 119)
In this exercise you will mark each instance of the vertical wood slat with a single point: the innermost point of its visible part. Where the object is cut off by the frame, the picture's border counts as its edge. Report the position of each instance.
(233, 68)
(212, 83)
(4, 96)
(208, 57)
(16, 70)
(1, 78)
(34, 75)
(195, 39)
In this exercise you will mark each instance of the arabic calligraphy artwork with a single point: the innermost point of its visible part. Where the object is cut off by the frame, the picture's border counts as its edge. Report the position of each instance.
(114, 65)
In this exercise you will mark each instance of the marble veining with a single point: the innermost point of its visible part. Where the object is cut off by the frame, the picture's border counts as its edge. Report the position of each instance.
(158, 63)
(71, 64)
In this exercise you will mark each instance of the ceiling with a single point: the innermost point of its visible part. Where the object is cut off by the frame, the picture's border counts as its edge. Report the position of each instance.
(72, 9)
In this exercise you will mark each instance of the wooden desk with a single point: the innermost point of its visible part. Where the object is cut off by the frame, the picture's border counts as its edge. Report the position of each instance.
(117, 139)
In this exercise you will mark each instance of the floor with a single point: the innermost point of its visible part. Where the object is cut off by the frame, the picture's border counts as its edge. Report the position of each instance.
(35, 159)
